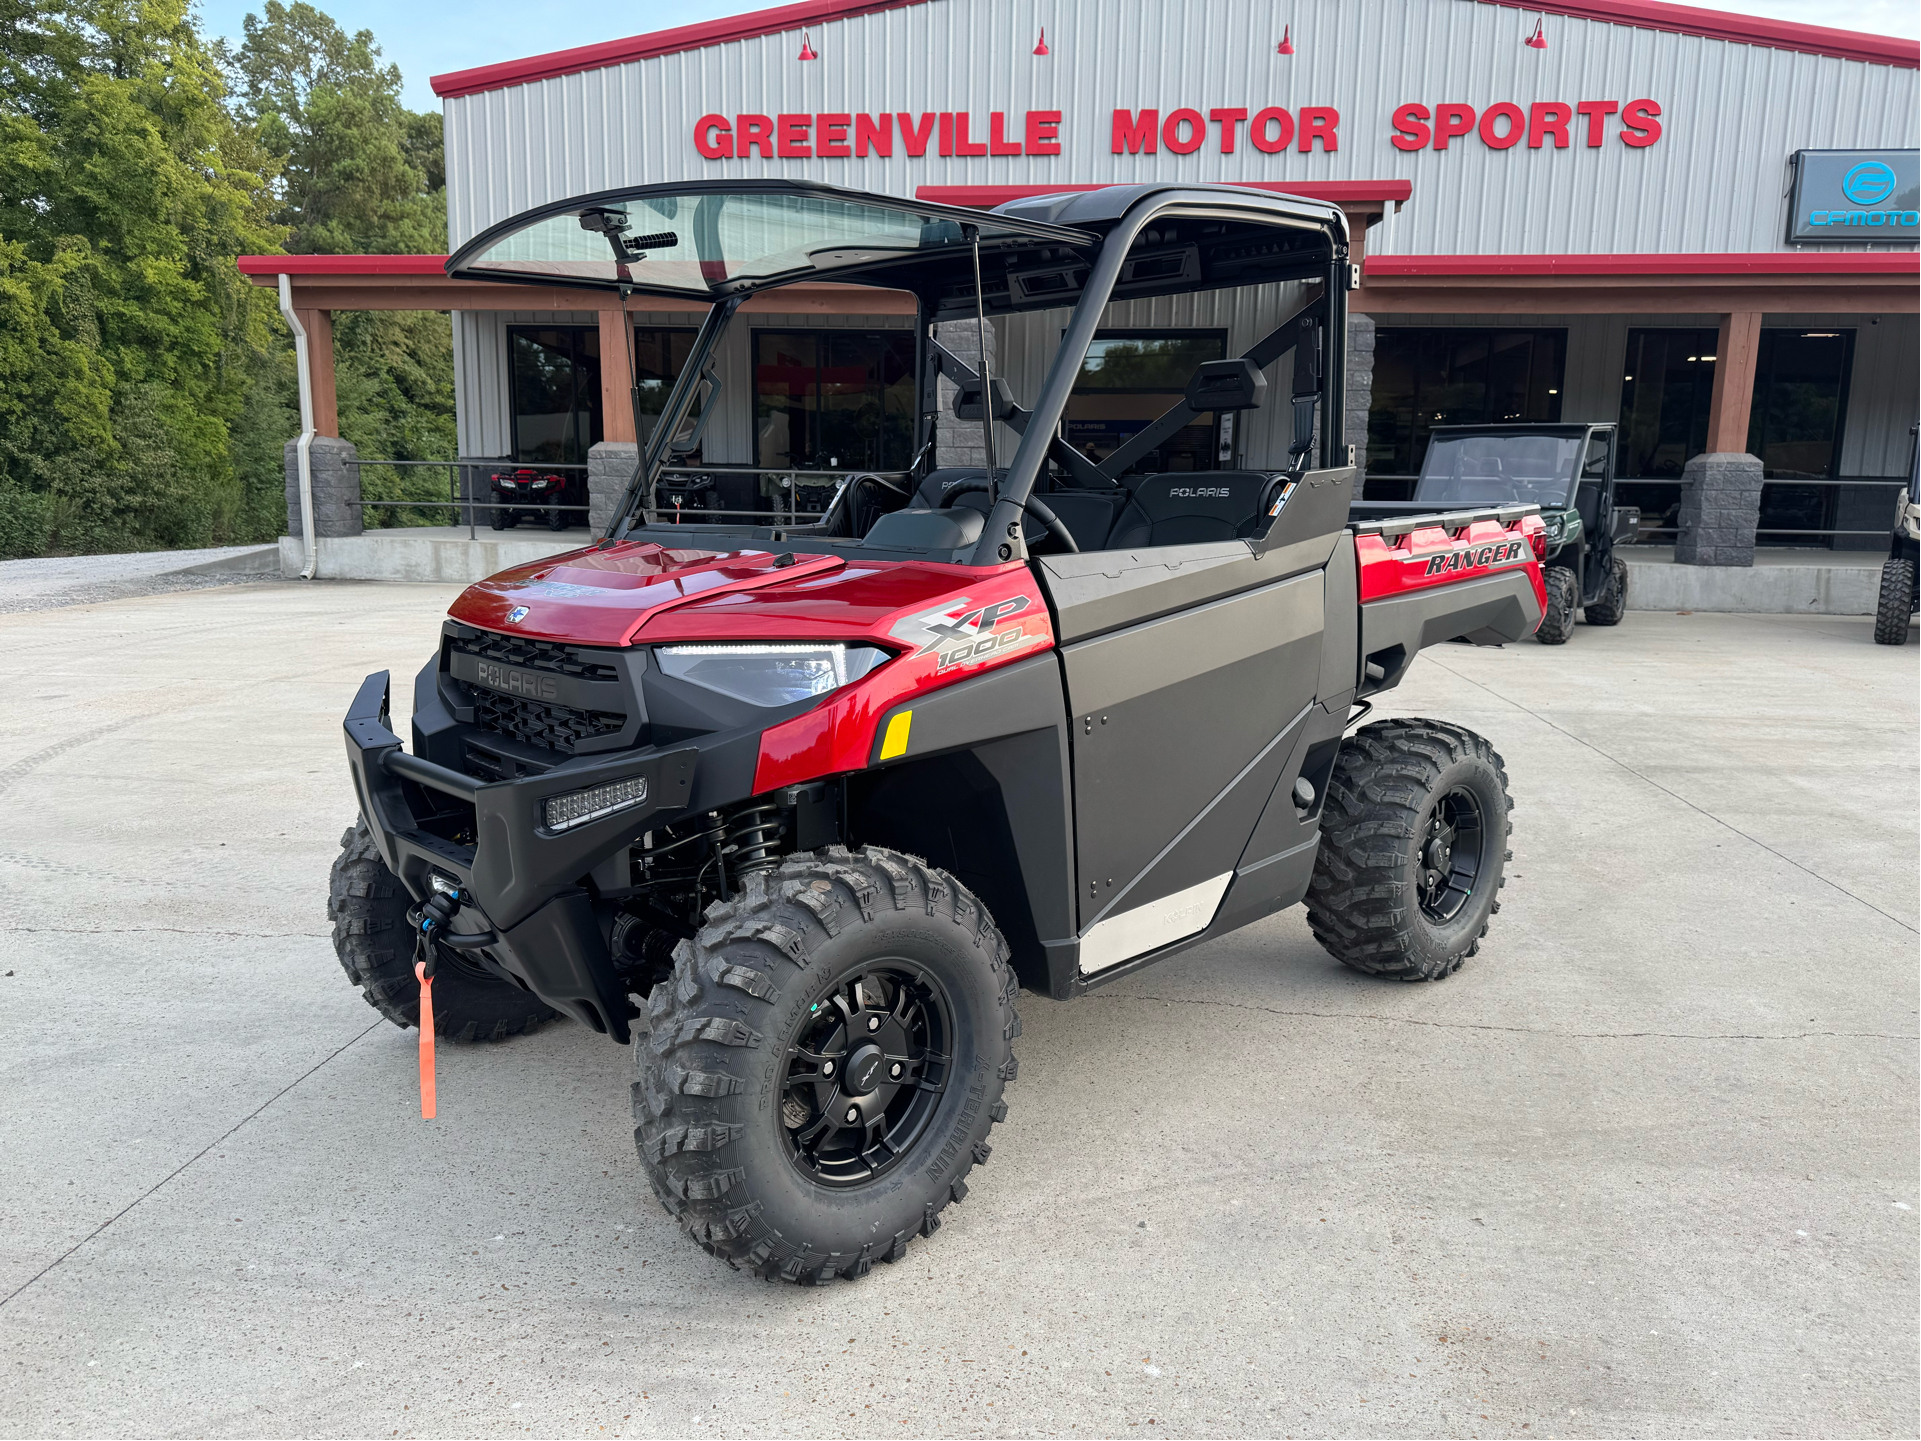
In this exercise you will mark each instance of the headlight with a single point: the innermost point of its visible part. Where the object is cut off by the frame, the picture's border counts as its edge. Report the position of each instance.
(576, 808)
(772, 674)
(1556, 524)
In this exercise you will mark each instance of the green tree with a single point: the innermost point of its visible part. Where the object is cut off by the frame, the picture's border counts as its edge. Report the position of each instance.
(128, 342)
(359, 173)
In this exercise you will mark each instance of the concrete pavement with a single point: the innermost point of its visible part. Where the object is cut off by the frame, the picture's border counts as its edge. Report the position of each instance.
(1647, 1165)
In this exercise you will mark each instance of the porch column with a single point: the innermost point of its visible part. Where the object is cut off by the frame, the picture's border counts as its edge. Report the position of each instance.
(616, 379)
(1734, 359)
(319, 325)
(1721, 490)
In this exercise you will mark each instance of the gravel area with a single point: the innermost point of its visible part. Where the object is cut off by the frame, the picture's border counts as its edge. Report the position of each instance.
(53, 582)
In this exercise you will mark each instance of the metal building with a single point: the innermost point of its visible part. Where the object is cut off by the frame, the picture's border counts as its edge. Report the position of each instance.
(1701, 225)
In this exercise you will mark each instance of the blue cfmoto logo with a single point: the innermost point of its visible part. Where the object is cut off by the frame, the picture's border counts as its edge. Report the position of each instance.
(1869, 183)
(517, 615)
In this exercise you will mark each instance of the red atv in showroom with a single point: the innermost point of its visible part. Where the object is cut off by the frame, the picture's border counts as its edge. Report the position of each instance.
(822, 798)
(536, 495)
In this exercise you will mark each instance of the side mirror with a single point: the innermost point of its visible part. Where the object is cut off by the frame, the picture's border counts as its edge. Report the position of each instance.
(1227, 385)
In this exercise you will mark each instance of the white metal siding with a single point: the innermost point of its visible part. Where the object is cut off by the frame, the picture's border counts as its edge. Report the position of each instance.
(1731, 113)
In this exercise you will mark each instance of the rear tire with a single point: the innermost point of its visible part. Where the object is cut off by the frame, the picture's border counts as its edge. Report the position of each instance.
(1413, 850)
(756, 1056)
(368, 906)
(1896, 603)
(1612, 603)
(1557, 620)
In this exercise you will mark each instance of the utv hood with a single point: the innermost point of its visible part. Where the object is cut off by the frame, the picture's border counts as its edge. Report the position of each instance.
(639, 592)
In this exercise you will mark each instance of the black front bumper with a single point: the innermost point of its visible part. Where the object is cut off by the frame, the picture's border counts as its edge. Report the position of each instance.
(525, 879)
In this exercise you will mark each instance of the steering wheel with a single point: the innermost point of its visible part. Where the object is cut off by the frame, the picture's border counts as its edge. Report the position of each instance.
(1049, 521)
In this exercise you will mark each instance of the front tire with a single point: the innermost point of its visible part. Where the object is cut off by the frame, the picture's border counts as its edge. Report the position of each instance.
(1413, 850)
(1557, 620)
(823, 1068)
(1896, 603)
(374, 941)
(1612, 603)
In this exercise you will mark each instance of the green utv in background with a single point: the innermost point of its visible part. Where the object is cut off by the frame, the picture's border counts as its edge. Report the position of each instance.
(1567, 470)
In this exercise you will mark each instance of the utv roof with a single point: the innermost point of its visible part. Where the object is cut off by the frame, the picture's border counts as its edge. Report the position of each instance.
(712, 239)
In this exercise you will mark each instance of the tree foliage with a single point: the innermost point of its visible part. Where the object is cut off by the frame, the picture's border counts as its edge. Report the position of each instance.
(146, 389)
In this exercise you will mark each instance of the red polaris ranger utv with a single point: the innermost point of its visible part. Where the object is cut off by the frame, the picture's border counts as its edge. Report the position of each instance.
(822, 793)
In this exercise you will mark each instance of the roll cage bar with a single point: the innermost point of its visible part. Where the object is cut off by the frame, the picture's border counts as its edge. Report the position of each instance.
(1090, 237)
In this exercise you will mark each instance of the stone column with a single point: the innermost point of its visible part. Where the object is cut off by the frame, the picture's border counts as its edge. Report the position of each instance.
(1720, 507)
(1360, 390)
(335, 483)
(958, 442)
(610, 468)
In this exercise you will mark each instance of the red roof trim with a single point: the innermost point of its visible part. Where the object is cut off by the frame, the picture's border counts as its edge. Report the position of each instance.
(1428, 267)
(660, 42)
(1641, 14)
(342, 264)
(1350, 192)
(1737, 29)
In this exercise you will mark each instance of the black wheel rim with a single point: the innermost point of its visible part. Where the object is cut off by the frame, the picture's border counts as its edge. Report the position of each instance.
(1450, 858)
(866, 1073)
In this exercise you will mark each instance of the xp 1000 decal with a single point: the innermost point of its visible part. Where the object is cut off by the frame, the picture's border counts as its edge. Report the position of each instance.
(958, 632)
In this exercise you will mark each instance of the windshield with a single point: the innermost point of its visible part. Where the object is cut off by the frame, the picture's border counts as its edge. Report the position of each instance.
(1478, 469)
(699, 242)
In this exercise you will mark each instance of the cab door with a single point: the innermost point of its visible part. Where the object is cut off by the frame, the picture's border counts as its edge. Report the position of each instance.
(1181, 717)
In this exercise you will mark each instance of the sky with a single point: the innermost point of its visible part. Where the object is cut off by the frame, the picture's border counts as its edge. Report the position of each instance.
(431, 37)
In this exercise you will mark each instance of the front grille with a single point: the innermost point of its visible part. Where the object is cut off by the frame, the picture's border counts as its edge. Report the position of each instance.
(541, 723)
(533, 654)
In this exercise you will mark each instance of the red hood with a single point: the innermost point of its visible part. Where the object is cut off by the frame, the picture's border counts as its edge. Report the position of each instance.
(609, 596)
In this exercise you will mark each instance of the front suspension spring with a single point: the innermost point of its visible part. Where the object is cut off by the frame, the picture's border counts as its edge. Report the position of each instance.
(753, 836)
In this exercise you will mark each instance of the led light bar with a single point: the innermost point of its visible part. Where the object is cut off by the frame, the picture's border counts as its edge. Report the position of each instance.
(576, 808)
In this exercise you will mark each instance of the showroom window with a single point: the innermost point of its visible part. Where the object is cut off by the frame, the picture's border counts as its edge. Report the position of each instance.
(834, 399)
(1129, 379)
(1429, 377)
(555, 376)
(659, 355)
(1794, 425)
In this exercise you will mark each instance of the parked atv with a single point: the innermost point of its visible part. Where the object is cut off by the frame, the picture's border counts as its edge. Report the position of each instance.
(1900, 593)
(825, 797)
(537, 495)
(1567, 470)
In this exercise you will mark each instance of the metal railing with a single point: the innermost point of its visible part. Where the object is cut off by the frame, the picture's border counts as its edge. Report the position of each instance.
(461, 498)
(463, 467)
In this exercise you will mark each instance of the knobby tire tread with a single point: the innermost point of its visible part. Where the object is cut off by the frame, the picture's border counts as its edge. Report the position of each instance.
(1895, 604)
(1360, 905)
(703, 1044)
(368, 907)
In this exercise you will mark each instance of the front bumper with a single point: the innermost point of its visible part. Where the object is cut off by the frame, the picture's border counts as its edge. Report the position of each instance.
(525, 879)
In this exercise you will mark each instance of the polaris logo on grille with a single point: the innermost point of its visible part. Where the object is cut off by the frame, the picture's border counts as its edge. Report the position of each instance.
(1472, 558)
(515, 682)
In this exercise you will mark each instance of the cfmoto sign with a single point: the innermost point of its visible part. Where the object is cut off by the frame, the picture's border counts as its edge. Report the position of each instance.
(1855, 197)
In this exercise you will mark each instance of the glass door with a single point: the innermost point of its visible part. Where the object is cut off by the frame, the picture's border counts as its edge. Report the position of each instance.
(1800, 396)
(556, 393)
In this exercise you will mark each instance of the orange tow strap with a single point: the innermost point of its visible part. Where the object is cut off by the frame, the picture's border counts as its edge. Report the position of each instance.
(426, 1041)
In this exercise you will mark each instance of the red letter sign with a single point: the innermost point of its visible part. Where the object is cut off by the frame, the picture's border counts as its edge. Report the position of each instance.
(1317, 123)
(1451, 121)
(1516, 126)
(1136, 135)
(1043, 132)
(1266, 143)
(714, 137)
(1639, 128)
(1597, 112)
(1410, 127)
